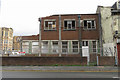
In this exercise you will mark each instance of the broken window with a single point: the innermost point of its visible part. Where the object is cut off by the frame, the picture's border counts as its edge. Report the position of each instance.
(89, 24)
(69, 24)
(64, 46)
(50, 25)
(75, 46)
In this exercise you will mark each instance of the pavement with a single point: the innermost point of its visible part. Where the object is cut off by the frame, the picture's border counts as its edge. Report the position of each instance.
(30, 74)
(62, 68)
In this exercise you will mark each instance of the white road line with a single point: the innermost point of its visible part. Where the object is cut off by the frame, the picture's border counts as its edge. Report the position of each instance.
(117, 77)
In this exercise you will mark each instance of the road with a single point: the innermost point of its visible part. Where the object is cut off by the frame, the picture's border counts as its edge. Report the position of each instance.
(31, 74)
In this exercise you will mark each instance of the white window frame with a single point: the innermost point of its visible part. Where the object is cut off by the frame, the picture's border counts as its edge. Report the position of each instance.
(89, 20)
(70, 20)
(47, 46)
(72, 46)
(53, 47)
(67, 46)
(96, 46)
(49, 21)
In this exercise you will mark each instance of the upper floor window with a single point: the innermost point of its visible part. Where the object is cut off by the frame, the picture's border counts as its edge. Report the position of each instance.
(6, 33)
(89, 24)
(50, 25)
(69, 24)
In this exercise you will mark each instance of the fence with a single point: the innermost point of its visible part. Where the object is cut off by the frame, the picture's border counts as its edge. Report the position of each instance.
(85, 51)
(93, 56)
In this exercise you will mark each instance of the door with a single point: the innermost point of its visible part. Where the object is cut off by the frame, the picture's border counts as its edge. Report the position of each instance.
(85, 50)
(118, 49)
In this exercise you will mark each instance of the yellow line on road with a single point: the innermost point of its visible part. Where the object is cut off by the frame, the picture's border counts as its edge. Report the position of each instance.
(56, 71)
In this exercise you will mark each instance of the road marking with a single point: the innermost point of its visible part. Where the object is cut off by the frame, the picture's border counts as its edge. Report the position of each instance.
(116, 77)
(57, 71)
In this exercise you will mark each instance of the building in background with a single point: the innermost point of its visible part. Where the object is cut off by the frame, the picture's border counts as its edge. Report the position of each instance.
(110, 23)
(16, 43)
(6, 39)
(69, 34)
(30, 44)
(1, 41)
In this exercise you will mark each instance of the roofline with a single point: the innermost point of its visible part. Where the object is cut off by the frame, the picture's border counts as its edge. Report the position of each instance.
(71, 14)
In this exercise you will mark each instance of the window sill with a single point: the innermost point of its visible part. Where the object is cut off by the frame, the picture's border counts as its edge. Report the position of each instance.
(50, 30)
(69, 30)
(89, 29)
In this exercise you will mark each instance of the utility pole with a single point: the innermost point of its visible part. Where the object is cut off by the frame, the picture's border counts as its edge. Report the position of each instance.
(100, 33)
(60, 35)
(80, 36)
(39, 36)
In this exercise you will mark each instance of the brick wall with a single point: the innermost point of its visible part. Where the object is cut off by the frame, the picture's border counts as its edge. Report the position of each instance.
(105, 60)
(12, 61)
(93, 57)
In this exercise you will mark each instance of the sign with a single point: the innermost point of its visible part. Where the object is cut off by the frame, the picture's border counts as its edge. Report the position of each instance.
(21, 52)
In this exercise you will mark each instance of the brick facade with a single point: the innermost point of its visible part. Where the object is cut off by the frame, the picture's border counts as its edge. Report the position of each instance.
(70, 34)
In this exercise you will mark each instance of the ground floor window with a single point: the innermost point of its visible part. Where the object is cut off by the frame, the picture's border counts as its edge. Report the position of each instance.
(64, 46)
(35, 49)
(75, 46)
(55, 47)
(94, 46)
(44, 47)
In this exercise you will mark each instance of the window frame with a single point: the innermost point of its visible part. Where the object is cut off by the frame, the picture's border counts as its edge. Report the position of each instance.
(49, 20)
(45, 51)
(85, 43)
(53, 47)
(88, 20)
(70, 20)
(93, 47)
(67, 49)
(75, 48)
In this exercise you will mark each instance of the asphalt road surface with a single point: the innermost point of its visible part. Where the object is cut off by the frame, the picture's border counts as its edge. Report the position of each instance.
(31, 74)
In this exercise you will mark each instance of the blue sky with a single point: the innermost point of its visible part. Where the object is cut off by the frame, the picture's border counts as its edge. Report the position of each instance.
(22, 15)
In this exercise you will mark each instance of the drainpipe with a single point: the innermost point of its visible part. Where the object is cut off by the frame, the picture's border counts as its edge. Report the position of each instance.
(39, 36)
(80, 36)
(60, 36)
